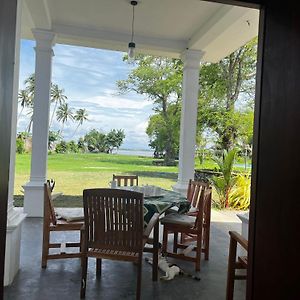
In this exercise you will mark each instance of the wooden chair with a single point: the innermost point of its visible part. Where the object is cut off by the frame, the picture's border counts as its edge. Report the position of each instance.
(126, 180)
(193, 192)
(114, 229)
(52, 224)
(197, 226)
(234, 262)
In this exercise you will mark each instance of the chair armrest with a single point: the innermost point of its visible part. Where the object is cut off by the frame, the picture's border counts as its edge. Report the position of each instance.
(151, 225)
(239, 238)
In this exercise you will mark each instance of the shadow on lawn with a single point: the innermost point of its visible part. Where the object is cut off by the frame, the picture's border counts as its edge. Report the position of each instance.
(61, 201)
(166, 175)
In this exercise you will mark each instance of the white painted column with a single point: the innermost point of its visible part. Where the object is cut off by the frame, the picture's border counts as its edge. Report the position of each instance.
(188, 122)
(14, 217)
(33, 200)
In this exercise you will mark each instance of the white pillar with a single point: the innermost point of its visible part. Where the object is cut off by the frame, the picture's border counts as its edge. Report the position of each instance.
(188, 122)
(14, 217)
(33, 200)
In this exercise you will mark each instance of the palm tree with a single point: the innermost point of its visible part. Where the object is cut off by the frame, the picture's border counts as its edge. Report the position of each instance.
(80, 116)
(63, 114)
(25, 100)
(57, 97)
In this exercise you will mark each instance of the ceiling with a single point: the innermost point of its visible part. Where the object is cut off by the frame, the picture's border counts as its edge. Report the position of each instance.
(162, 27)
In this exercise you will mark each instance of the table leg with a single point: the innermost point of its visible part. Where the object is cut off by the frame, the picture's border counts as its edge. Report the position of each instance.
(155, 252)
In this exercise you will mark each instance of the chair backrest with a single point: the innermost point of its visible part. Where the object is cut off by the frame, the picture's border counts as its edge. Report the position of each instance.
(193, 192)
(49, 211)
(126, 180)
(114, 219)
(204, 208)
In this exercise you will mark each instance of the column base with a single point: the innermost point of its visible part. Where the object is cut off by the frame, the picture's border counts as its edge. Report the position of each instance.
(34, 199)
(13, 247)
(181, 187)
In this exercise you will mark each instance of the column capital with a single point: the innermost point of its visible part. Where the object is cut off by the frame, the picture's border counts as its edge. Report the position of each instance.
(45, 39)
(191, 58)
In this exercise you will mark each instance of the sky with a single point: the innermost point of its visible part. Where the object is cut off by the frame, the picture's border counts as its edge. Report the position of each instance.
(88, 77)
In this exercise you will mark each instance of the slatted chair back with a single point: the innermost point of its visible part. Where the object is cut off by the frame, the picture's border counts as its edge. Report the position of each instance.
(49, 211)
(113, 219)
(204, 208)
(193, 192)
(126, 180)
(207, 205)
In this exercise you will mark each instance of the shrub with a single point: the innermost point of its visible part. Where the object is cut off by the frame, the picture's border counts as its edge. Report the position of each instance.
(239, 197)
(20, 145)
(61, 147)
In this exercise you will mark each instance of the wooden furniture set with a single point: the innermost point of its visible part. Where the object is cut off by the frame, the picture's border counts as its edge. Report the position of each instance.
(113, 228)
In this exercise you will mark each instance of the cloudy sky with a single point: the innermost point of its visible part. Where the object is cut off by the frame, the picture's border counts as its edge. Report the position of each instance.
(89, 77)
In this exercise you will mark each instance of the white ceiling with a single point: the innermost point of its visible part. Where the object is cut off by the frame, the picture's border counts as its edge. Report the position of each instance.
(162, 27)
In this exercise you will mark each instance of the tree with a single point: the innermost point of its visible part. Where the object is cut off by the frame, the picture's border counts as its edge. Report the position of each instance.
(114, 139)
(160, 80)
(58, 98)
(53, 137)
(95, 141)
(25, 100)
(224, 183)
(227, 88)
(63, 114)
(80, 116)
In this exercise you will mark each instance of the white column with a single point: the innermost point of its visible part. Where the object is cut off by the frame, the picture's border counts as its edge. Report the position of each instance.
(14, 217)
(33, 200)
(188, 122)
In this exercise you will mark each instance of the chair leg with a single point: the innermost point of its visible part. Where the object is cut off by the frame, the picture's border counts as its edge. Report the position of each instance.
(98, 267)
(155, 252)
(198, 252)
(231, 269)
(206, 243)
(165, 240)
(175, 243)
(139, 278)
(45, 251)
(84, 266)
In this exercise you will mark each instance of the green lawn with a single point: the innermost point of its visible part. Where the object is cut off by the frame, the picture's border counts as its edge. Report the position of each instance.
(75, 172)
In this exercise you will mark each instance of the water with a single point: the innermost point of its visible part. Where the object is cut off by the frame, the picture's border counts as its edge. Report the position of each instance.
(147, 153)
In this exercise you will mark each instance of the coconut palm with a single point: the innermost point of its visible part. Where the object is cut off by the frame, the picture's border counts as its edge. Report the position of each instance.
(63, 114)
(25, 100)
(57, 97)
(80, 116)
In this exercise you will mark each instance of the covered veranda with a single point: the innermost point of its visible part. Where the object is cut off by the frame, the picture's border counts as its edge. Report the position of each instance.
(273, 271)
(195, 31)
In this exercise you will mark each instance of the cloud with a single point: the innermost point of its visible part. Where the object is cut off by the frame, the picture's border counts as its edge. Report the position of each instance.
(89, 77)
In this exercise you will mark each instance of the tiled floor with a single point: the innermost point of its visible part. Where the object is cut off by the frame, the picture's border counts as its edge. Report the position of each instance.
(61, 280)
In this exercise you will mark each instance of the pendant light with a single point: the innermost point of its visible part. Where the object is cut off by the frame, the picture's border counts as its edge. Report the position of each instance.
(131, 45)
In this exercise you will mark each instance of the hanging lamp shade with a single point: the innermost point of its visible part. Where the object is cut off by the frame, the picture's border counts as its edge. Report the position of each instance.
(131, 44)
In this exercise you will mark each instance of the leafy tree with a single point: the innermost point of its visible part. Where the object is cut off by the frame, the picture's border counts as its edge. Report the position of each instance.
(61, 147)
(95, 141)
(160, 80)
(227, 87)
(80, 144)
(114, 139)
(64, 113)
(72, 147)
(53, 137)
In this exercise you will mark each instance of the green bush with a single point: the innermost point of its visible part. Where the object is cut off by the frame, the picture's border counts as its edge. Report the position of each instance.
(20, 146)
(239, 197)
(61, 147)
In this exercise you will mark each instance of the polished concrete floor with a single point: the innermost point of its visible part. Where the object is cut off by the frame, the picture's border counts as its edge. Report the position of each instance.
(61, 279)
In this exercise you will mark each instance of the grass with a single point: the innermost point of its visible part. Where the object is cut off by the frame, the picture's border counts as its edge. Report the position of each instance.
(75, 172)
